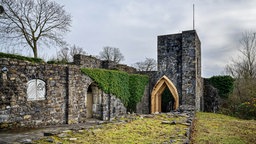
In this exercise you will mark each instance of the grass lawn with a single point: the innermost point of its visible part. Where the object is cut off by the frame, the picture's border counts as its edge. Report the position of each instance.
(220, 129)
(140, 131)
(209, 128)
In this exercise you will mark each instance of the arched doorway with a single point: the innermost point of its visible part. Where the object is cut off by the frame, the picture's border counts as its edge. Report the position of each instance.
(167, 101)
(156, 96)
(89, 102)
(94, 102)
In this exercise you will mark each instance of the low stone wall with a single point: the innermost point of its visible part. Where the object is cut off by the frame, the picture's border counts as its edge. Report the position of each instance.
(85, 61)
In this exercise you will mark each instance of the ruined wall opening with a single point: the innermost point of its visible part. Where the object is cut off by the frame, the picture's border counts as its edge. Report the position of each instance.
(89, 102)
(94, 102)
(160, 103)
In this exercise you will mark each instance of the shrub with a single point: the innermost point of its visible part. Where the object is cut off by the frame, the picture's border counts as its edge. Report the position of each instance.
(247, 110)
(224, 84)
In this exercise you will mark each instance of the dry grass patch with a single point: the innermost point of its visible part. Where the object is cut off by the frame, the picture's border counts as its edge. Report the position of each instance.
(212, 128)
(140, 131)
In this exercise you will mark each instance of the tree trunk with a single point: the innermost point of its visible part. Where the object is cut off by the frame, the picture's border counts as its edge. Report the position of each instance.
(35, 50)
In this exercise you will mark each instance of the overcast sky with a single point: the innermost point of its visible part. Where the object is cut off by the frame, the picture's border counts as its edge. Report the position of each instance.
(133, 26)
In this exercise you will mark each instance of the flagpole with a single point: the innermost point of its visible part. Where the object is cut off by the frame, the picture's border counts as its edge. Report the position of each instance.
(193, 16)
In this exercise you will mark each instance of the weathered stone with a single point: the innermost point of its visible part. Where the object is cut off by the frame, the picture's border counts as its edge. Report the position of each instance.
(173, 122)
(148, 116)
(26, 117)
(183, 115)
(81, 131)
(26, 141)
(4, 118)
(67, 131)
(169, 122)
(186, 124)
(62, 135)
(72, 139)
(48, 134)
(50, 140)
(165, 122)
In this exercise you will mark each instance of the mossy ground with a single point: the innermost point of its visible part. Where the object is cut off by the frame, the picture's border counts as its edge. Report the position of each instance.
(220, 129)
(139, 131)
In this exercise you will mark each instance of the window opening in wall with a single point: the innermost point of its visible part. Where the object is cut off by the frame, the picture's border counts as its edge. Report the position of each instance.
(36, 90)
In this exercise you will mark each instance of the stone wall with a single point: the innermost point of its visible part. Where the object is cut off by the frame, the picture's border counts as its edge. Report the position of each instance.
(211, 98)
(65, 99)
(16, 109)
(78, 84)
(85, 61)
(191, 69)
(169, 59)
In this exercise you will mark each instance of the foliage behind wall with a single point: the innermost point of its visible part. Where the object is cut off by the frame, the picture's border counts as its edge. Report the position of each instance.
(224, 84)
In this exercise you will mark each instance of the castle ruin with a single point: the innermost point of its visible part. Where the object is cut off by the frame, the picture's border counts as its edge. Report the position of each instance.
(61, 94)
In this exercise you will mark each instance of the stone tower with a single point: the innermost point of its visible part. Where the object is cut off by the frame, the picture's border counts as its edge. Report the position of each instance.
(179, 58)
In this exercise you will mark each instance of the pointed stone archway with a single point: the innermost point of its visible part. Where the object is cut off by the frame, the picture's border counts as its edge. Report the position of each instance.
(156, 95)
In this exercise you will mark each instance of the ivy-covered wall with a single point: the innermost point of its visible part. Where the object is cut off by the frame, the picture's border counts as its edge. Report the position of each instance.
(128, 87)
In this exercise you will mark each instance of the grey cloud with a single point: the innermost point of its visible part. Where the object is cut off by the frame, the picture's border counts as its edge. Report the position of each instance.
(133, 26)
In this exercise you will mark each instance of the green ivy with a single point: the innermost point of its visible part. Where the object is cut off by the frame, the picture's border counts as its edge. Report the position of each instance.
(137, 85)
(224, 84)
(18, 57)
(128, 87)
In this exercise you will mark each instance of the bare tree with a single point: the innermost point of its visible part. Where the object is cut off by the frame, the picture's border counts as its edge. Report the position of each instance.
(76, 50)
(67, 54)
(148, 65)
(243, 69)
(63, 55)
(33, 23)
(245, 65)
(111, 54)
